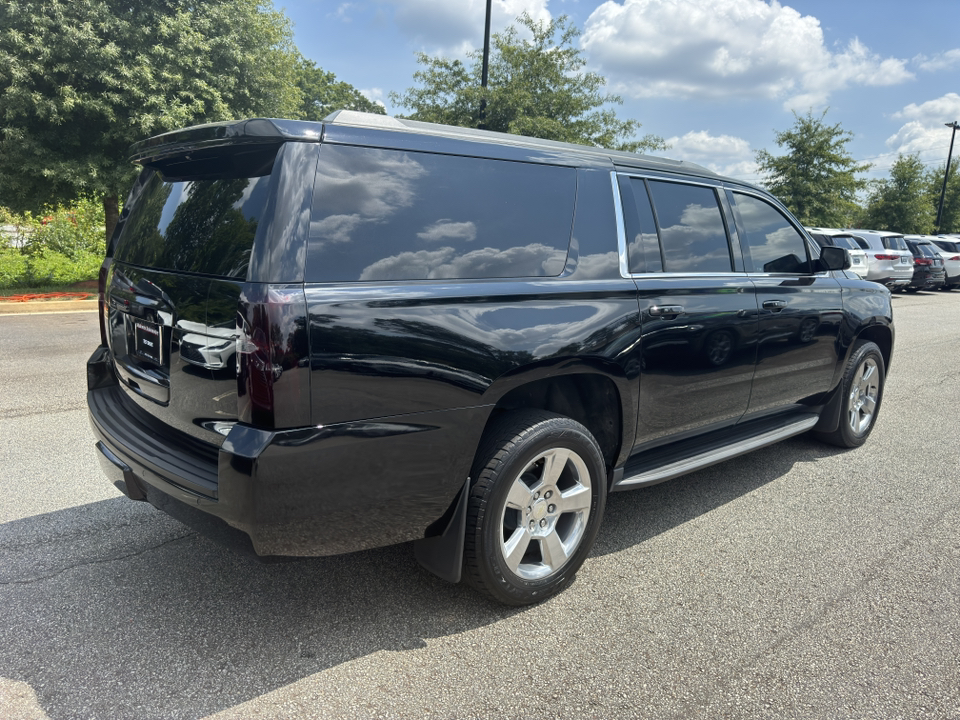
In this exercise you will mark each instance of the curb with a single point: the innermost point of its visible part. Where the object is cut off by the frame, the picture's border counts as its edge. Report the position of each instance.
(47, 306)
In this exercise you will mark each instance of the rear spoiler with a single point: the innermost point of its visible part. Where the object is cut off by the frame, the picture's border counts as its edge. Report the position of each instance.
(257, 131)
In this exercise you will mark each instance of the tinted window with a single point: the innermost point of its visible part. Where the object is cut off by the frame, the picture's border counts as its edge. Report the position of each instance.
(643, 245)
(894, 242)
(692, 233)
(927, 249)
(947, 245)
(862, 243)
(774, 244)
(200, 226)
(822, 240)
(392, 215)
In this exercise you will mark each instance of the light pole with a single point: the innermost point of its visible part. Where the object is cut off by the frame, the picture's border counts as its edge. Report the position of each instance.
(486, 64)
(956, 126)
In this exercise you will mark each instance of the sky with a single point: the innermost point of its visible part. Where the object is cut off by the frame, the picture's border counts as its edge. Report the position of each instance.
(715, 78)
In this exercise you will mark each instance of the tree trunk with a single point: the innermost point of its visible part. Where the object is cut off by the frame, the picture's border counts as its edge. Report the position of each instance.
(111, 214)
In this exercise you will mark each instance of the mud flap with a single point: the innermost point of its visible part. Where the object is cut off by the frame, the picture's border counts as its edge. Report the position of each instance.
(830, 415)
(443, 554)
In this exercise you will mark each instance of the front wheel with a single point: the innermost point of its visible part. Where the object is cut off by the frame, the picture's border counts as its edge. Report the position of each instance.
(862, 388)
(535, 507)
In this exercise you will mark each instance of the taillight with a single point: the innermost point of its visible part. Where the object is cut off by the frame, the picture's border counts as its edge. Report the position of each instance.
(887, 257)
(954, 258)
(102, 299)
(273, 358)
(922, 261)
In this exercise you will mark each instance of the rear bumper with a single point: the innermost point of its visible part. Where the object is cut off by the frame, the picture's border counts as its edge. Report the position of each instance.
(305, 491)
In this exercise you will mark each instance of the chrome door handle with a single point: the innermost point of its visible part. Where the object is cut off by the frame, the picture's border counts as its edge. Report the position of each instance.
(662, 310)
(774, 304)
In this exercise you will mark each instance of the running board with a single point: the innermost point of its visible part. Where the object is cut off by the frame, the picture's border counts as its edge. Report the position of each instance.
(639, 476)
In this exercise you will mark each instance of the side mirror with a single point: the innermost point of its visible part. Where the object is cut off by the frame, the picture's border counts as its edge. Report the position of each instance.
(834, 258)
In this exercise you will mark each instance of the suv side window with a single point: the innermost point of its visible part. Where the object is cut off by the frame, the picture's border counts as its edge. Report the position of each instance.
(693, 236)
(386, 215)
(643, 244)
(771, 241)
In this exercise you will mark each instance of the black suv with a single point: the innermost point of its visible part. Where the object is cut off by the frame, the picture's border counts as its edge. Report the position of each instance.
(342, 335)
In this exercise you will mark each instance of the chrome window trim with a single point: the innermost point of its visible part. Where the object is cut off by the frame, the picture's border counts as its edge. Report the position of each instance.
(679, 181)
(621, 226)
(687, 275)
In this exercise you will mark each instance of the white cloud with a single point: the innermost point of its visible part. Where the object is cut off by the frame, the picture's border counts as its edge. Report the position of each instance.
(724, 154)
(942, 61)
(455, 28)
(924, 131)
(449, 230)
(724, 49)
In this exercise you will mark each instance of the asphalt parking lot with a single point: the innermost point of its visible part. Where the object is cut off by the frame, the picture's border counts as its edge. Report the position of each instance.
(797, 582)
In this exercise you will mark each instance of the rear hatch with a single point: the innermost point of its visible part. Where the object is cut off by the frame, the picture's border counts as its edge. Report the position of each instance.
(199, 300)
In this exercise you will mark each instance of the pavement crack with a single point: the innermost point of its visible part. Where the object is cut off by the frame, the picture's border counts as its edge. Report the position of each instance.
(98, 561)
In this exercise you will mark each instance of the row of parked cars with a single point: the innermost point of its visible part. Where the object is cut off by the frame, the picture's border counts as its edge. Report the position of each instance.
(901, 262)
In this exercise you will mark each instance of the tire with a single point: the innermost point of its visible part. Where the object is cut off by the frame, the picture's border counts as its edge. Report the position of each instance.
(719, 347)
(521, 548)
(862, 388)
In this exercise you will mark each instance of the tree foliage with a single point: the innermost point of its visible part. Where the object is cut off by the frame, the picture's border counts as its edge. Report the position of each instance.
(536, 87)
(901, 203)
(323, 93)
(81, 80)
(817, 177)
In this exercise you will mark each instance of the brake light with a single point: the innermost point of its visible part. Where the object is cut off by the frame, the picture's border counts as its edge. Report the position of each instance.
(954, 258)
(922, 261)
(273, 368)
(102, 299)
(887, 257)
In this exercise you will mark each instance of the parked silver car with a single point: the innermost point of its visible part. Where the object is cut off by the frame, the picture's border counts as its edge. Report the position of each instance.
(889, 260)
(826, 237)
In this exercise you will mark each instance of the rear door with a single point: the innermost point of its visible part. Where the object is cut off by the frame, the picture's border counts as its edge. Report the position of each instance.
(179, 272)
(698, 308)
(800, 310)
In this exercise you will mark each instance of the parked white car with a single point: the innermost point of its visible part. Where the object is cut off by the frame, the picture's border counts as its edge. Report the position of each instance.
(827, 237)
(949, 248)
(889, 260)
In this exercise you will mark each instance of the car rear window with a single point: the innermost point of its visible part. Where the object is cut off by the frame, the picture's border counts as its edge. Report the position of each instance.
(204, 226)
(894, 242)
(386, 215)
(947, 245)
(927, 249)
(845, 241)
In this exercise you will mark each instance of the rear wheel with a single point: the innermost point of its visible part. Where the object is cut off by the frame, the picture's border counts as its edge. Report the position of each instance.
(535, 507)
(862, 388)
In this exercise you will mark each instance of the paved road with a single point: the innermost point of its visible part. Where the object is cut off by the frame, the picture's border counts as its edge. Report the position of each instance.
(797, 582)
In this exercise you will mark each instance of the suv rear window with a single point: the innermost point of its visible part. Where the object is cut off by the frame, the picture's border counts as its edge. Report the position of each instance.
(894, 242)
(845, 241)
(197, 226)
(386, 215)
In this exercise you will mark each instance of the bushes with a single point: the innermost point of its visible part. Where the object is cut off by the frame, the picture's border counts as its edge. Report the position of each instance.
(62, 246)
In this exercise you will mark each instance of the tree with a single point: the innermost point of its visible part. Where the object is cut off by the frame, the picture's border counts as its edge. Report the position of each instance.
(81, 80)
(950, 219)
(322, 93)
(536, 88)
(817, 178)
(901, 203)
